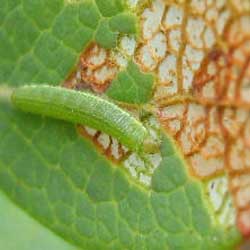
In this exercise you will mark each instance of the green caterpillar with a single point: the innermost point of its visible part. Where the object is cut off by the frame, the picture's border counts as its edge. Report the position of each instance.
(86, 109)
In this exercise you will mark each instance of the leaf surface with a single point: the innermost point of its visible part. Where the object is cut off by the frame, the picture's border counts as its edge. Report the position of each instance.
(131, 86)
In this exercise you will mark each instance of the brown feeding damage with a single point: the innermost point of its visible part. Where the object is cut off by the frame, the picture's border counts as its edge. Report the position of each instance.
(224, 76)
(108, 145)
(96, 70)
(203, 87)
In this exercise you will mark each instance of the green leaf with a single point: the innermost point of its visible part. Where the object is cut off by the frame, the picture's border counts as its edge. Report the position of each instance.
(63, 182)
(131, 86)
(105, 36)
(123, 23)
(110, 8)
(40, 41)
